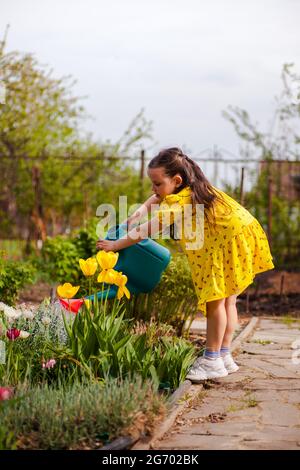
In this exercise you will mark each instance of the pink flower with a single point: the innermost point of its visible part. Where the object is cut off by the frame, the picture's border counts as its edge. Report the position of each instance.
(6, 393)
(49, 364)
(13, 333)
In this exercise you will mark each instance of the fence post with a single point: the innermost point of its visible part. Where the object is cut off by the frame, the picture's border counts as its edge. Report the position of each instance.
(242, 186)
(270, 181)
(142, 170)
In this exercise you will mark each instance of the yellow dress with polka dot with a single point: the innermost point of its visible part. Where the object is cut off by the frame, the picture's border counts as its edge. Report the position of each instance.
(232, 251)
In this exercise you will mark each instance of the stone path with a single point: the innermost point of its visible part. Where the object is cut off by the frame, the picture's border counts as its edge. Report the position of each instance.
(258, 407)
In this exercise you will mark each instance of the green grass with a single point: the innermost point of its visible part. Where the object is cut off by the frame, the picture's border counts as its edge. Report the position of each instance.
(81, 415)
(261, 341)
(13, 249)
(288, 320)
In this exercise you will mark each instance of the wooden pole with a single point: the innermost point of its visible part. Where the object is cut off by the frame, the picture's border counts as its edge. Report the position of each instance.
(281, 288)
(242, 186)
(247, 302)
(38, 213)
(142, 165)
(270, 182)
(142, 171)
(257, 288)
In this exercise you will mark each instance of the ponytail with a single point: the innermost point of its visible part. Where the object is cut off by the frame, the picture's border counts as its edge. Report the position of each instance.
(174, 161)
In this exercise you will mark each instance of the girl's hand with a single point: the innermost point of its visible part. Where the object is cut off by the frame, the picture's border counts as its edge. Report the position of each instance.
(106, 245)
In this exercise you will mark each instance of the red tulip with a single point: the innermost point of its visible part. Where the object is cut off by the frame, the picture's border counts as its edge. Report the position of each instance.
(13, 333)
(6, 393)
(72, 305)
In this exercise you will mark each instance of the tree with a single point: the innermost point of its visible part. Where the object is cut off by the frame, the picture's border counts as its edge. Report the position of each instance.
(53, 175)
(280, 143)
(282, 140)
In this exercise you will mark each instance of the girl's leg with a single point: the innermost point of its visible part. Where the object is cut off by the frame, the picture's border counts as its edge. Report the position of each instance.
(211, 365)
(216, 324)
(232, 319)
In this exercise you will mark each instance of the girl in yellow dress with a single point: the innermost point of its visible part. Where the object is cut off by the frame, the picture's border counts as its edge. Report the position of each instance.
(229, 248)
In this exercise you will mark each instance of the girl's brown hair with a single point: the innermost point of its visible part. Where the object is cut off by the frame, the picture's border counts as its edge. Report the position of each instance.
(174, 161)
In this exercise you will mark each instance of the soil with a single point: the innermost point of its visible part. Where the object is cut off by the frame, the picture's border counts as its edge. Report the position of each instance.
(34, 294)
(273, 293)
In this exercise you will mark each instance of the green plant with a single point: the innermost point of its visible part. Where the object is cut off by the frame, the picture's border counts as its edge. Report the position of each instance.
(7, 437)
(173, 301)
(288, 320)
(262, 341)
(101, 343)
(60, 254)
(81, 415)
(13, 277)
(24, 356)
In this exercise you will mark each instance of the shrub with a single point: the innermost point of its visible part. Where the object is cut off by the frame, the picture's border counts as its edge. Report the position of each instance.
(13, 277)
(60, 254)
(173, 301)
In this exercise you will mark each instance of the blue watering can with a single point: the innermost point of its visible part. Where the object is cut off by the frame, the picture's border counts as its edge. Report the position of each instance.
(143, 264)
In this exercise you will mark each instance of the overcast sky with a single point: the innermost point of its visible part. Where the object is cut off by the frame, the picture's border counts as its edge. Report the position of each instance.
(183, 61)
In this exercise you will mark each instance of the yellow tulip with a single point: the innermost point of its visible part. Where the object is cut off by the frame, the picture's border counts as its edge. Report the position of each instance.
(120, 280)
(108, 276)
(107, 259)
(88, 303)
(67, 291)
(89, 266)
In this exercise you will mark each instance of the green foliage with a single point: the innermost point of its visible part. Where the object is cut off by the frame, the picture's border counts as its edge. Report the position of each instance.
(80, 414)
(24, 356)
(60, 254)
(285, 222)
(165, 361)
(173, 301)
(13, 277)
(54, 175)
(101, 343)
(58, 259)
(282, 142)
(7, 438)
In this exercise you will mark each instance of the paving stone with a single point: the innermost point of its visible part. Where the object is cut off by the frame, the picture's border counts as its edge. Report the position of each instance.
(226, 428)
(266, 323)
(289, 371)
(267, 379)
(278, 413)
(273, 384)
(243, 376)
(181, 441)
(213, 404)
(269, 445)
(270, 350)
(284, 396)
(276, 433)
(276, 338)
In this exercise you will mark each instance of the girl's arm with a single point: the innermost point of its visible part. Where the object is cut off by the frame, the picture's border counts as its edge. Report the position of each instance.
(136, 234)
(142, 210)
(149, 228)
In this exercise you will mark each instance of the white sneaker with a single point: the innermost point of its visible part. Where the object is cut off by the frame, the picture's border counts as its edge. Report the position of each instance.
(204, 369)
(229, 363)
